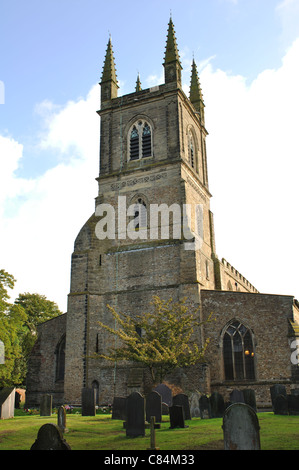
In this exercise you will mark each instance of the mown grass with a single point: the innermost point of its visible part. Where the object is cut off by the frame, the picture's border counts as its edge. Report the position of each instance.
(102, 433)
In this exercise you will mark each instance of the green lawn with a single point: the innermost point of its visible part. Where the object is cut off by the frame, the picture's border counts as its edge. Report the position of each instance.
(102, 433)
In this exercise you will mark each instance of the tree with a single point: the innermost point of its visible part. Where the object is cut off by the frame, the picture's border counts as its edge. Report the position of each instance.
(12, 318)
(38, 309)
(162, 339)
(18, 328)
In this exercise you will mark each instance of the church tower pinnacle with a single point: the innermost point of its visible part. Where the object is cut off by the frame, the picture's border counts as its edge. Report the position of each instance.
(172, 64)
(196, 97)
(108, 82)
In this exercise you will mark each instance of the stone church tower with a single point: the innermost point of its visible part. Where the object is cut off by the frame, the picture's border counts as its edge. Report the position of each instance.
(153, 156)
(152, 152)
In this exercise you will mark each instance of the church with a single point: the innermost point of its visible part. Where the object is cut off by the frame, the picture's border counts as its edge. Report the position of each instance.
(153, 153)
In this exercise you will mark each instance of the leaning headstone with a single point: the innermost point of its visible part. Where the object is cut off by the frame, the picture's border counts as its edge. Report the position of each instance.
(50, 437)
(45, 407)
(293, 404)
(165, 393)
(194, 405)
(217, 405)
(119, 408)
(182, 399)
(88, 404)
(280, 405)
(7, 402)
(275, 390)
(153, 406)
(249, 398)
(204, 407)
(236, 396)
(241, 428)
(177, 417)
(135, 423)
(61, 419)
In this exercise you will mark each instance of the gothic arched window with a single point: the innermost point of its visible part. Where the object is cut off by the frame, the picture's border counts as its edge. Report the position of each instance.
(238, 352)
(192, 151)
(140, 140)
(60, 360)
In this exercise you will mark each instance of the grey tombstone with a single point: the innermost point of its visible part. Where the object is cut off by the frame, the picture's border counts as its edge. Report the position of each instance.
(135, 423)
(88, 404)
(236, 396)
(165, 393)
(182, 399)
(204, 407)
(177, 417)
(194, 405)
(241, 428)
(217, 405)
(119, 408)
(7, 402)
(165, 409)
(61, 419)
(280, 405)
(153, 406)
(50, 437)
(293, 404)
(45, 407)
(249, 398)
(275, 390)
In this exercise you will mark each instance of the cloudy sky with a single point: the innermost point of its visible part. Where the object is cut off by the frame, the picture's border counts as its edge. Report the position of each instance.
(52, 55)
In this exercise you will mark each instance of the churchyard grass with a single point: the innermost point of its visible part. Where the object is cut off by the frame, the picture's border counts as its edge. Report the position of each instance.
(101, 432)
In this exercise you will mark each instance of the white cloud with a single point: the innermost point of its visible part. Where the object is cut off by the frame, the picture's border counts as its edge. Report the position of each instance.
(37, 238)
(253, 166)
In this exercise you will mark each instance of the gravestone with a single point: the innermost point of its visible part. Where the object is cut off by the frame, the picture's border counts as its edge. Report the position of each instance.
(194, 405)
(135, 423)
(50, 437)
(182, 399)
(249, 398)
(241, 428)
(45, 407)
(217, 405)
(165, 409)
(153, 406)
(165, 393)
(7, 402)
(119, 408)
(236, 396)
(18, 399)
(88, 404)
(293, 404)
(204, 407)
(177, 417)
(61, 419)
(275, 390)
(280, 405)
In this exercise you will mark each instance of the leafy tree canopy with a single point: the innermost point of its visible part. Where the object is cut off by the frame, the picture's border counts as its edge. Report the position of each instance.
(162, 339)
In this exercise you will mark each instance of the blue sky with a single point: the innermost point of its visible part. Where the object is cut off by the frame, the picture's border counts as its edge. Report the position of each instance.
(52, 55)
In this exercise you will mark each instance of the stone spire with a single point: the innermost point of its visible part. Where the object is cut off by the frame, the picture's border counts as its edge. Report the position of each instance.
(138, 84)
(108, 82)
(196, 97)
(172, 64)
